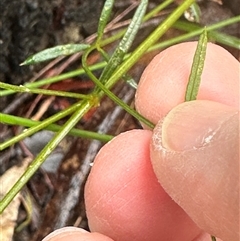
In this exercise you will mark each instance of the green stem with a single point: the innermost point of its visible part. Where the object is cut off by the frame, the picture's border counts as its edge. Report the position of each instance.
(195, 33)
(179, 24)
(151, 14)
(150, 41)
(14, 120)
(41, 126)
(157, 9)
(85, 105)
(34, 166)
(25, 89)
(164, 44)
(111, 95)
(217, 36)
(56, 78)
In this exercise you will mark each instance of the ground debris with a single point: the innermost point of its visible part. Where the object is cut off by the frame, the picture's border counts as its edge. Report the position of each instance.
(9, 216)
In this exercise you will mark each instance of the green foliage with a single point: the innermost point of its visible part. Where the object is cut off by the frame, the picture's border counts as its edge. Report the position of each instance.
(51, 53)
(114, 68)
(197, 68)
(126, 42)
(104, 18)
(196, 71)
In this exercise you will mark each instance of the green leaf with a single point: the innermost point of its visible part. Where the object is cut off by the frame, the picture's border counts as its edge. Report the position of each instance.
(105, 15)
(225, 39)
(40, 126)
(25, 89)
(83, 107)
(19, 121)
(147, 43)
(197, 68)
(113, 97)
(215, 36)
(51, 53)
(126, 42)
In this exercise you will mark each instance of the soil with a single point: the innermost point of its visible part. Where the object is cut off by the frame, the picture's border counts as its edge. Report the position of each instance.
(28, 26)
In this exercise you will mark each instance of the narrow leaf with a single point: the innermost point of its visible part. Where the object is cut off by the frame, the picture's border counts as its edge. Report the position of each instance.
(147, 43)
(46, 151)
(133, 27)
(51, 53)
(125, 43)
(105, 15)
(225, 39)
(214, 35)
(19, 121)
(197, 68)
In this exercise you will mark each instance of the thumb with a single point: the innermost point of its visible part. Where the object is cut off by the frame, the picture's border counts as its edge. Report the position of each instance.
(195, 155)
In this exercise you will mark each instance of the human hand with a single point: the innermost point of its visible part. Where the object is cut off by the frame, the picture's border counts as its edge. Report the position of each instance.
(193, 153)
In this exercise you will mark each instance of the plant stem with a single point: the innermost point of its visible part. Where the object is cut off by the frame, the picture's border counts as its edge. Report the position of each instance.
(106, 91)
(46, 151)
(56, 78)
(150, 41)
(86, 105)
(178, 24)
(41, 126)
(195, 33)
(156, 10)
(25, 89)
(15, 120)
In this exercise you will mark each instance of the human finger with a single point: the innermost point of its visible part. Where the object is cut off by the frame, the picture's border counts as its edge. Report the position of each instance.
(163, 83)
(195, 155)
(124, 199)
(75, 234)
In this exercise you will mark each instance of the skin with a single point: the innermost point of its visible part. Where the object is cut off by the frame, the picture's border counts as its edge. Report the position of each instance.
(181, 180)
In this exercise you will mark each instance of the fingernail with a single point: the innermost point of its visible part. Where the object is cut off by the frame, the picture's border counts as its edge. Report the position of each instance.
(63, 232)
(195, 156)
(194, 124)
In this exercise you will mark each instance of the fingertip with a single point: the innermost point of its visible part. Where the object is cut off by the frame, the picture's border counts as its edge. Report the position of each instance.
(163, 83)
(124, 199)
(75, 234)
(195, 155)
